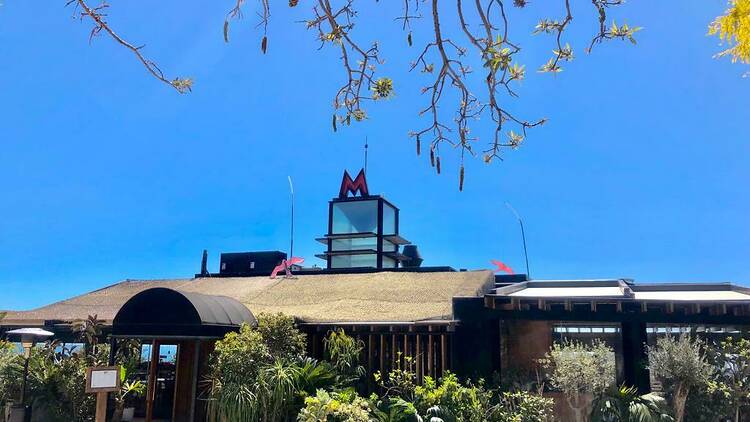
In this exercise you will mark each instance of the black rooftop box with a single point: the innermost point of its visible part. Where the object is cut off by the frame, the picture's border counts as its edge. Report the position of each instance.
(250, 263)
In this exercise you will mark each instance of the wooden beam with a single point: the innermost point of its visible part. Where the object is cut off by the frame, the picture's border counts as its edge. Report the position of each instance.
(489, 302)
(430, 364)
(418, 352)
(151, 386)
(382, 355)
(370, 353)
(443, 353)
(394, 350)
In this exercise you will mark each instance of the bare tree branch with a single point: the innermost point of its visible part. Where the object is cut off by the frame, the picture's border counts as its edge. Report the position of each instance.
(96, 14)
(453, 106)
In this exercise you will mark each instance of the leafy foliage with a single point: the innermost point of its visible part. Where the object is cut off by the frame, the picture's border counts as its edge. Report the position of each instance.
(681, 364)
(343, 351)
(11, 367)
(333, 407)
(283, 339)
(624, 404)
(732, 378)
(578, 370)
(575, 368)
(733, 28)
(522, 406)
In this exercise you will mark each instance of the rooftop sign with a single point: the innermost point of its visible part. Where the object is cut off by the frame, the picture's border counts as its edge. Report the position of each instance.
(359, 184)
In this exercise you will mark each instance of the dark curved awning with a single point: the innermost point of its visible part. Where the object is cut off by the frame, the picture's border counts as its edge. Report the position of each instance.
(163, 312)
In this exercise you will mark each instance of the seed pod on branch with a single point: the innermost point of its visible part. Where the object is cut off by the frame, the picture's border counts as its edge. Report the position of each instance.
(226, 31)
(438, 164)
(264, 44)
(419, 147)
(432, 156)
(461, 179)
(334, 123)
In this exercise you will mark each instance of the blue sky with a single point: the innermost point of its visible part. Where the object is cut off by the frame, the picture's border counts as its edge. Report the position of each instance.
(106, 174)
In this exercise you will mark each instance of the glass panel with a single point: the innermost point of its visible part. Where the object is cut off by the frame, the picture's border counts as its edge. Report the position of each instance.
(353, 244)
(354, 261)
(389, 219)
(388, 246)
(355, 217)
(388, 262)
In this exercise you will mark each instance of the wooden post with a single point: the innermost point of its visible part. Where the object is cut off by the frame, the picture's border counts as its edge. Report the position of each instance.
(406, 346)
(151, 390)
(370, 352)
(430, 356)
(418, 354)
(394, 350)
(370, 362)
(101, 407)
(443, 353)
(382, 356)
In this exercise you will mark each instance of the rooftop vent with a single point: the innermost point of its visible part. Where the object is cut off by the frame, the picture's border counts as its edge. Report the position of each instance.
(249, 263)
(415, 258)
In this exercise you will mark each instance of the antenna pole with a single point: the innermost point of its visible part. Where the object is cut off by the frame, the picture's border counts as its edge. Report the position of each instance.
(523, 236)
(365, 155)
(291, 234)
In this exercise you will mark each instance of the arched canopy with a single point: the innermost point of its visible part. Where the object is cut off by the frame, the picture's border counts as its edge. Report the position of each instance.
(163, 312)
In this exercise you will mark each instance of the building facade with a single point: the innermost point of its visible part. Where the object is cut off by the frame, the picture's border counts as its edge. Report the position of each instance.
(473, 323)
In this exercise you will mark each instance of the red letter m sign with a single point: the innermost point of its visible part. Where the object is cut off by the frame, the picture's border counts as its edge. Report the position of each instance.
(359, 184)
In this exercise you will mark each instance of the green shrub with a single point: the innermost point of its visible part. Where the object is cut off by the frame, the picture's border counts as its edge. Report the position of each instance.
(624, 404)
(283, 339)
(681, 364)
(577, 370)
(344, 406)
(522, 406)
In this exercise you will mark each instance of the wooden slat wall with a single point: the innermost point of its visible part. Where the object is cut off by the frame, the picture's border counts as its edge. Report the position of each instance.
(426, 351)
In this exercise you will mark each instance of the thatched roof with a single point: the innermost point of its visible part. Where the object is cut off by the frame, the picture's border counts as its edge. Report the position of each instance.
(366, 297)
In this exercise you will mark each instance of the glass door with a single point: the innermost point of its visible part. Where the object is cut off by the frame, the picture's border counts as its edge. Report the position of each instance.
(163, 383)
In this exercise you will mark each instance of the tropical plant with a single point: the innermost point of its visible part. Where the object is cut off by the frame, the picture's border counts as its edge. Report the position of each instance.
(263, 374)
(89, 331)
(732, 360)
(56, 384)
(314, 375)
(624, 404)
(393, 409)
(579, 370)
(449, 399)
(522, 406)
(400, 381)
(681, 364)
(341, 406)
(11, 369)
(129, 389)
(343, 352)
(244, 376)
(283, 339)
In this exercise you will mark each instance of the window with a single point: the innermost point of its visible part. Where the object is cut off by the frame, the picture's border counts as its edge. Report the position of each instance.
(388, 246)
(355, 217)
(388, 262)
(354, 261)
(354, 244)
(389, 219)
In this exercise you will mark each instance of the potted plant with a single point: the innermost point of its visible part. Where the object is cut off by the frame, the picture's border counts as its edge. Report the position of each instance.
(129, 389)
